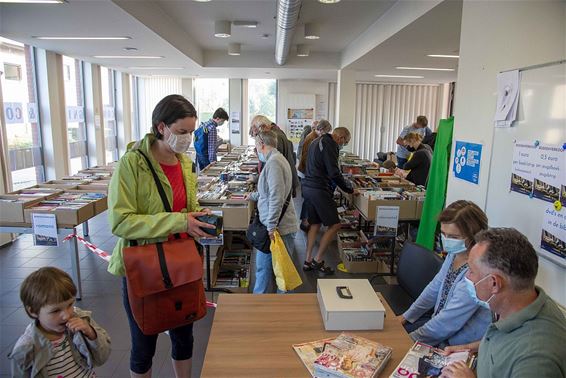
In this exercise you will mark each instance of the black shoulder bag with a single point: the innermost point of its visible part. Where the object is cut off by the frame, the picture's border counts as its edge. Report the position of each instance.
(257, 232)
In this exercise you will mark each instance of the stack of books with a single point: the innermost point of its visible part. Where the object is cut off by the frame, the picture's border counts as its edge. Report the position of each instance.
(346, 356)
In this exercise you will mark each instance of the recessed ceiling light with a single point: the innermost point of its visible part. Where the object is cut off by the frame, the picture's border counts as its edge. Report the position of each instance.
(34, 1)
(155, 68)
(328, 1)
(130, 48)
(202, 1)
(245, 24)
(303, 50)
(81, 38)
(401, 76)
(311, 31)
(234, 49)
(443, 56)
(265, 36)
(127, 57)
(425, 68)
(222, 29)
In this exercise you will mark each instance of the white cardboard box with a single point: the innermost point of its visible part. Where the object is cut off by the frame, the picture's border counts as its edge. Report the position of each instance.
(363, 311)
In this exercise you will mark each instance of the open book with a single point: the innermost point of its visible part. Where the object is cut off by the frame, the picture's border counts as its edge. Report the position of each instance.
(423, 360)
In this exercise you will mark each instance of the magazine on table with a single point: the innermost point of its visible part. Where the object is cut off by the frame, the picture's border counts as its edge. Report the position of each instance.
(349, 356)
(423, 360)
(309, 352)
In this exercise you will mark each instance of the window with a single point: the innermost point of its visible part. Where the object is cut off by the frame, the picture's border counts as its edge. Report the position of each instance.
(262, 99)
(21, 114)
(74, 106)
(108, 103)
(212, 94)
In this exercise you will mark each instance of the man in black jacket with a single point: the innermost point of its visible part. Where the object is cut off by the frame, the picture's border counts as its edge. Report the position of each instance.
(322, 174)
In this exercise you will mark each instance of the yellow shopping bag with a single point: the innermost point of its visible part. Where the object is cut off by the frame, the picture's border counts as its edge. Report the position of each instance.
(286, 275)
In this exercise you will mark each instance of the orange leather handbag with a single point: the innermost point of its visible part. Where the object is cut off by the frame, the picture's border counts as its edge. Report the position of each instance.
(164, 280)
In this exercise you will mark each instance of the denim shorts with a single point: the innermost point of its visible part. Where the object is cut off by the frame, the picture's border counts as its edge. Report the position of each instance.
(143, 346)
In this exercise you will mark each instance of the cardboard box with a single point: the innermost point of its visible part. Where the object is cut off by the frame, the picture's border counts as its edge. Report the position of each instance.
(100, 205)
(419, 209)
(94, 187)
(66, 185)
(407, 208)
(237, 214)
(12, 207)
(364, 311)
(67, 217)
(358, 266)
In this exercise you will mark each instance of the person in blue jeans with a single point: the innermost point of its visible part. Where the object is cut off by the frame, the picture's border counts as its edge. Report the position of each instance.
(457, 318)
(274, 204)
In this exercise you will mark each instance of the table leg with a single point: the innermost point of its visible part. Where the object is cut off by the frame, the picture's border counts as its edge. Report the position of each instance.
(85, 229)
(75, 261)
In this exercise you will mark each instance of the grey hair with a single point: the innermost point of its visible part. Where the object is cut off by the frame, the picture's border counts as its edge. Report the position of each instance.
(323, 126)
(268, 137)
(511, 253)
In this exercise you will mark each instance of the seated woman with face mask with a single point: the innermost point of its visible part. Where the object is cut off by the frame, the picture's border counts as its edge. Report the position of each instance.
(457, 318)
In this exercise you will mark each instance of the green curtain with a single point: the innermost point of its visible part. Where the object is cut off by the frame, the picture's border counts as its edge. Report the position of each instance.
(437, 182)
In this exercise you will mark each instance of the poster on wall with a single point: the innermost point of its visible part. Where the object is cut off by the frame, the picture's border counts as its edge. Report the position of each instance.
(523, 167)
(467, 161)
(235, 122)
(553, 236)
(549, 173)
(297, 119)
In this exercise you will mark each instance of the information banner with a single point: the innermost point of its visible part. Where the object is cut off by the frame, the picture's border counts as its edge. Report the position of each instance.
(44, 229)
(297, 119)
(549, 173)
(467, 161)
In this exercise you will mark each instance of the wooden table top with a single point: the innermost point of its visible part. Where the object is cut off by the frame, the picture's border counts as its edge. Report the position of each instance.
(252, 335)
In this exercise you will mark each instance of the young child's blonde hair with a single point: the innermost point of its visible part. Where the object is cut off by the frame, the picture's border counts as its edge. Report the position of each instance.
(46, 286)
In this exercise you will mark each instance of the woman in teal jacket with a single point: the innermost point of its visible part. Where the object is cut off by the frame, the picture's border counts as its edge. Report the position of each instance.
(136, 213)
(457, 317)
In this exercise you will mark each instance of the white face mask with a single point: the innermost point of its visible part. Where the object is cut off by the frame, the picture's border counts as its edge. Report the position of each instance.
(179, 143)
(472, 291)
(220, 123)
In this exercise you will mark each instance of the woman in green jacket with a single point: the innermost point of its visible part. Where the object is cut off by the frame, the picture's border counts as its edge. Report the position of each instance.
(136, 213)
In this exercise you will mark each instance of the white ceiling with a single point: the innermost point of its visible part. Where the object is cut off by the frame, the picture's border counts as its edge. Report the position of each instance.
(182, 32)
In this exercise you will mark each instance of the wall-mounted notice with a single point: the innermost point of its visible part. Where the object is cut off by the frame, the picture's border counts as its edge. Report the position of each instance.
(467, 161)
(553, 236)
(44, 229)
(235, 122)
(386, 221)
(549, 173)
(523, 167)
(297, 119)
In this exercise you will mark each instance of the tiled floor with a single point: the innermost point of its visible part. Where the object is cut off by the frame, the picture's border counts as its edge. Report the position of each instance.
(102, 295)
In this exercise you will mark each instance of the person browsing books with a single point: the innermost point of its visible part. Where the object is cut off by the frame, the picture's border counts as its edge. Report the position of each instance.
(62, 340)
(416, 169)
(456, 318)
(527, 339)
(273, 197)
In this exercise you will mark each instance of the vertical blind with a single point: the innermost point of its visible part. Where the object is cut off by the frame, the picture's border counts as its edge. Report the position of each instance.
(382, 110)
(332, 103)
(151, 91)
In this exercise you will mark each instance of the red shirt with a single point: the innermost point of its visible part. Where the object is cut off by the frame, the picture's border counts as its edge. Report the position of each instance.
(174, 174)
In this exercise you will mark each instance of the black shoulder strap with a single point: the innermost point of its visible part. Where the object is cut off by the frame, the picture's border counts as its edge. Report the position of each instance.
(285, 206)
(160, 189)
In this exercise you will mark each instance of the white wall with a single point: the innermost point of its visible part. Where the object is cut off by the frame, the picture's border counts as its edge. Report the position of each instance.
(285, 89)
(497, 36)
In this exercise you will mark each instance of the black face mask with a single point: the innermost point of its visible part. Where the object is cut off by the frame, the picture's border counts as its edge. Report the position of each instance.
(411, 149)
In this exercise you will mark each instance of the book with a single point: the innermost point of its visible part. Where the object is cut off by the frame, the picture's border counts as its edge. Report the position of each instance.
(309, 352)
(349, 356)
(423, 360)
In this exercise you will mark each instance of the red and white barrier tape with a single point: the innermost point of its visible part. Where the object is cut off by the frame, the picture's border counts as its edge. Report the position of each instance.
(106, 256)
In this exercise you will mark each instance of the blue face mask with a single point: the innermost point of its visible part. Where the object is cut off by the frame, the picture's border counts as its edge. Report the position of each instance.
(451, 245)
(261, 156)
(471, 287)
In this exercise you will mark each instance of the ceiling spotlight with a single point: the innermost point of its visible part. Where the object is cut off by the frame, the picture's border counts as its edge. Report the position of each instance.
(311, 31)
(328, 1)
(222, 29)
(202, 1)
(444, 56)
(234, 49)
(265, 36)
(245, 24)
(303, 50)
(425, 68)
(130, 48)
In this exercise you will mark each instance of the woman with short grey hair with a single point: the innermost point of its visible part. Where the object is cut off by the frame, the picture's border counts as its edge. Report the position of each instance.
(274, 204)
